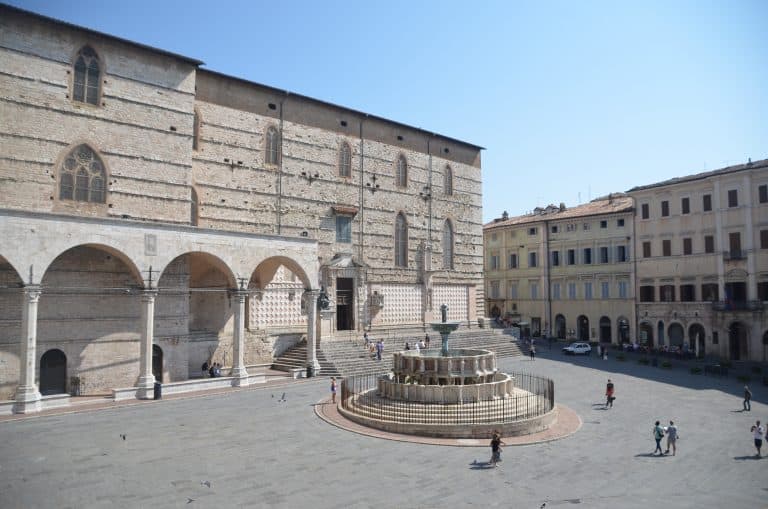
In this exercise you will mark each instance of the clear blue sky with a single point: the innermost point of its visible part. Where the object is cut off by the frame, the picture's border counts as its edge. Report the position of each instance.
(572, 99)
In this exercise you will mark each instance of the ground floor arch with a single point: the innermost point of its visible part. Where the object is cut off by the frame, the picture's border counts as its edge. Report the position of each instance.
(560, 329)
(605, 329)
(660, 331)
(582, 328)
(646, 334)
(53, 372)
(676, 335)
(696, 339)
(623, 330)
(738, 335)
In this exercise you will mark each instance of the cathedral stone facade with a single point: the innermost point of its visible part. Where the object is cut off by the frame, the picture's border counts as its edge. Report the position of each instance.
(155, 215)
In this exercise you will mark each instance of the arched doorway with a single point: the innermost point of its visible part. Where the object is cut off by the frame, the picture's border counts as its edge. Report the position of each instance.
(622, 325)
(560, 327)
(53, 372)
(660, 328)
(737, 341)
(605, 329)
(676, 335)
(157, 363)
(495, 312)
(696, 339)
(646, 334)
(582, 324)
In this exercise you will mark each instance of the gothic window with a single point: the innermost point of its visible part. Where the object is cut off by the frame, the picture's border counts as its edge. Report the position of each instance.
(401, 241)
(82, 176)
(87, 77)
(401, 178)
(448, 181)
(345, 160)
(272, 148)
(447, 245)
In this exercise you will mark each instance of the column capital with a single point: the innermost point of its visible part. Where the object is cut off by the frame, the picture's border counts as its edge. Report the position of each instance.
(239, 293)
(312, 292)
(148, 294)
(32, 292)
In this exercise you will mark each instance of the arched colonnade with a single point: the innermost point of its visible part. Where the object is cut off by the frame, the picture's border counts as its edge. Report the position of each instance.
(193, 279)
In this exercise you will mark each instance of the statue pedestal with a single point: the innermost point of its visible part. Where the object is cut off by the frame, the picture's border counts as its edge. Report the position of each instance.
(326, 322)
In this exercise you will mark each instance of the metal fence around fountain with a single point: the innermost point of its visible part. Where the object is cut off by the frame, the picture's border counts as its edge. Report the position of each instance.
(359, 395)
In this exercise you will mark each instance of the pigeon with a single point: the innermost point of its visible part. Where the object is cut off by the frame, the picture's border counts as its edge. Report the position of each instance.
(205, 483)
(122, 436)
(190, 500)
(282, 398)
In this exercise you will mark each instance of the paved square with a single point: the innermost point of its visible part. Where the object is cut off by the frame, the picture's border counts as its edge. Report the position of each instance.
(248, 449)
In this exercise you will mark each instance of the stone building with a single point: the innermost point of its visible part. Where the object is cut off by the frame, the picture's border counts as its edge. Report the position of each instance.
(564, 271)
(155, 215)
(701, 248)
(683, 263)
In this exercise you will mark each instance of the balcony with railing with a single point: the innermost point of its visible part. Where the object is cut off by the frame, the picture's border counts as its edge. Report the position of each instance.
(734, 255)
(737, 305)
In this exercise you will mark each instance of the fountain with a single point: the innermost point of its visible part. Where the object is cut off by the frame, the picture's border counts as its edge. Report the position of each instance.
(457, 393)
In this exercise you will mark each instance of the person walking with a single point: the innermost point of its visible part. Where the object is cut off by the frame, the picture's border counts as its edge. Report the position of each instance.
(757, 433)
(609, 394)
(333, 390)
(379, 349)
(533, 353)
(671, 438)
(417, 347)
(747, 399)
(658, 434)
(496, 444)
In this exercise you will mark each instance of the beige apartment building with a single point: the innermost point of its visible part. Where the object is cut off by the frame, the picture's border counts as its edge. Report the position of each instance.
(155, 215)
(566, 272)
(701, 248)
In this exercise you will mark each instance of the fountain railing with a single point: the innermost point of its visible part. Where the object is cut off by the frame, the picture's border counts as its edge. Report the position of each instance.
(536, 398)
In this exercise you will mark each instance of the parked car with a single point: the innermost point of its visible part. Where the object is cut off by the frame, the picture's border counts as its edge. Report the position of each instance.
(577, 348)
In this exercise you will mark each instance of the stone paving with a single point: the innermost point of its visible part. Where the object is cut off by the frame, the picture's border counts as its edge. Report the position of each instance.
(254, 448)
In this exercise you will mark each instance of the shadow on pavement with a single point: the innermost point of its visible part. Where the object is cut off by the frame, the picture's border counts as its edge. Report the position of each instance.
(750, 457)
(480, 465)
(679, 374)
(651, 455)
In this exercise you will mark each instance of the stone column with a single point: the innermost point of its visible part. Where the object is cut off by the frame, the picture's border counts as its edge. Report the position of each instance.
(311, 300)
(146, 378)
(27, 394)
(239, 373)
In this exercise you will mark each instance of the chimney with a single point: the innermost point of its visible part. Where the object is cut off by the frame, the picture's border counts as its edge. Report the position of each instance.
(562, 206)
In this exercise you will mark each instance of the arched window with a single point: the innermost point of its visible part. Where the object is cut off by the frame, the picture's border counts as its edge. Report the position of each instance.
(401, 241)
(196, 131)
(87, 77)
(345, 160)
(401, 178)
(82, 176)
(193, 209)
(272, 149)
(447, 245)
(448, 181)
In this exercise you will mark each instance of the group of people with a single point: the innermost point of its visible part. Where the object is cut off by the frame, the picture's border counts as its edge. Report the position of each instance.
(671, 433)
(419, 345)
(213, 369)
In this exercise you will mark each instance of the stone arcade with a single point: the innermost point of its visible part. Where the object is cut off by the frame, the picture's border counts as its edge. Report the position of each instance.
(155, 215)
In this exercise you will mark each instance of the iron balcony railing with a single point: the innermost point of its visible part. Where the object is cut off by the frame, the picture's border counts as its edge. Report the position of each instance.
(730, 305)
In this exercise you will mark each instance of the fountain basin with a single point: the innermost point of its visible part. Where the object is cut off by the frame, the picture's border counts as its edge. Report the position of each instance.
(500, 386)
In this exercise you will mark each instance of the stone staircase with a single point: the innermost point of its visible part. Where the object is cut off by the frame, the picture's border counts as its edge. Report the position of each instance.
(296, 358)
(348, 356)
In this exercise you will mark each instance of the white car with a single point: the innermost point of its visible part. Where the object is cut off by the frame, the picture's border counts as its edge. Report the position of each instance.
(577, 348)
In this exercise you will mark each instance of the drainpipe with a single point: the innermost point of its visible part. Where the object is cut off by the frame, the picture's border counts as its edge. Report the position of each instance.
(547, 277)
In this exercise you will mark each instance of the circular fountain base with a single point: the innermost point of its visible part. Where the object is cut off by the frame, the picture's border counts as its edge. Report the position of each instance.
(458, 394)
(511, 418)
